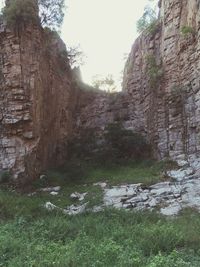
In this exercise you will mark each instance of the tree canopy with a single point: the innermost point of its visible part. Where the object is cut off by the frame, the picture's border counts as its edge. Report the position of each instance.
(51, 12)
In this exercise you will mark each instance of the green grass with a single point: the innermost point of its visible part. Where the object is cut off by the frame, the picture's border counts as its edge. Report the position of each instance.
(33, 236)
(147, 172)
(109, 238)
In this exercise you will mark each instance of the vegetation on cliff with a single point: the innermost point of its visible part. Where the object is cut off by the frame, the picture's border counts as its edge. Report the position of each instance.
(148, 22)
(49, 13)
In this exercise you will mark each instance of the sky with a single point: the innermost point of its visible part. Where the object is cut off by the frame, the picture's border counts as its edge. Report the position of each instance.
(105, 31)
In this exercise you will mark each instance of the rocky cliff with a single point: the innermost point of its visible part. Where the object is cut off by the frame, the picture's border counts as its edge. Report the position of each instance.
(37, 100)
(161, 86)
(162, 79)
(41, 108)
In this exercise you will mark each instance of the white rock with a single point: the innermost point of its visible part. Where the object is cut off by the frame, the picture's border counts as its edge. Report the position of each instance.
(50, 189)
(78, 196)
(171, 210)
(182, 163)
(181, 174)
(195, 163)
(152, 203)
(102, 185)
(50, 206)
(74, 210)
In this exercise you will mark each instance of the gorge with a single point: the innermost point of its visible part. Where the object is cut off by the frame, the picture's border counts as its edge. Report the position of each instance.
(44, 104)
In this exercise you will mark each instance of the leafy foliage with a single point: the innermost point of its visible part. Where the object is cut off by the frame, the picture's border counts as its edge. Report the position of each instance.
(148, 21)
(115, 144)
(75, 56)
(51, 12)
(122, 143)
(106, 83)
(153, 70)
(20, 11)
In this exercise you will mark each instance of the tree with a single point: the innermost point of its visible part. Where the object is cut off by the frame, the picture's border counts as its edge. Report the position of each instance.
(75, 56)
(148, 20)
(106, 83)
(20, 11)
(51, 12)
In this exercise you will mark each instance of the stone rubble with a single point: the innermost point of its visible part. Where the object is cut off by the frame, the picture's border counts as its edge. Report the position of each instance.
(168, 197)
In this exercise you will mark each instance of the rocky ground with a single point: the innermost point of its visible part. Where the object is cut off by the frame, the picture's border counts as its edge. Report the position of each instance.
(181, 190)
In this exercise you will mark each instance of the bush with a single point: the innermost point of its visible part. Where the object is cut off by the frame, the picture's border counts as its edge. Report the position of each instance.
(153, 70)
(20, 11)
(124, 143)
(187, 30)
(148, 22)
(115, 143)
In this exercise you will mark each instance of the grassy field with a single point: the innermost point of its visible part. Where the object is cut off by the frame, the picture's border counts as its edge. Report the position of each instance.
(33, 236)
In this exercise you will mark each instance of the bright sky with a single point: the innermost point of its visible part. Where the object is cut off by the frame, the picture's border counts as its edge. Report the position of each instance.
(105, 30)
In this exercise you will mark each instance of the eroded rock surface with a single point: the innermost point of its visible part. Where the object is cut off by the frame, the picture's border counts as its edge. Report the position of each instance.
(37, 101)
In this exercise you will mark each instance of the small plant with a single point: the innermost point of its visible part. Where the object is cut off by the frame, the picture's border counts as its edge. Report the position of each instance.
(187, 30)
(153, 70)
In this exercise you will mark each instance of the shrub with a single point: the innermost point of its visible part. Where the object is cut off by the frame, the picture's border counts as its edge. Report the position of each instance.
(124, 143)
(115, 143)
(148, 22)
(153, 70)
(20, 11)
(48, 13)
(187, 30)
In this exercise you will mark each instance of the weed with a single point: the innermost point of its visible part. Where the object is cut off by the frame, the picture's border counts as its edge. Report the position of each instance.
(187, 30)
(154, 71)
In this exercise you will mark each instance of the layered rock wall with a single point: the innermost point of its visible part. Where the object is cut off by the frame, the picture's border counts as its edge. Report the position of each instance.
(37, 100)
(42, 108)
(168, 106)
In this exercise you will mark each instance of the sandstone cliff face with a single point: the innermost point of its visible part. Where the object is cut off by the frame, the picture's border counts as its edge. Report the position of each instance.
(168, 109)
(37, 101)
